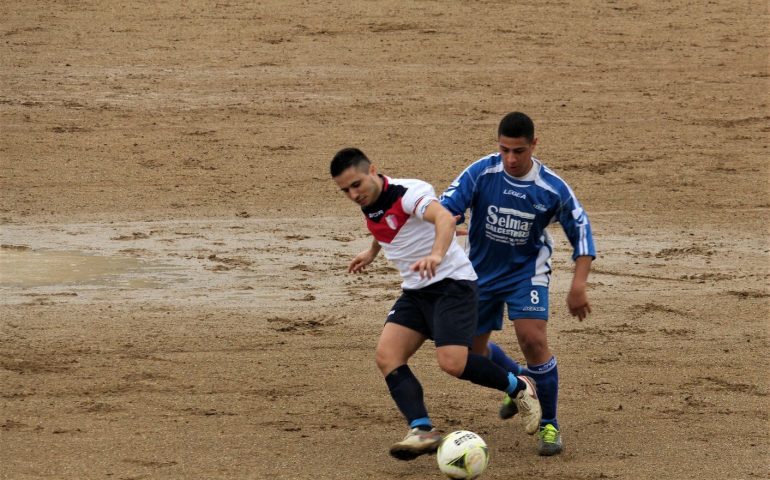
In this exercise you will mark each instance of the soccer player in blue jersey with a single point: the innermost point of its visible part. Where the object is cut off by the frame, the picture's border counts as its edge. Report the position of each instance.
(512, 198)
(438, 299)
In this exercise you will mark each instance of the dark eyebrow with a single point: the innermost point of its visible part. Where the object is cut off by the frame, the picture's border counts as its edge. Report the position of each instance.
(515, 149)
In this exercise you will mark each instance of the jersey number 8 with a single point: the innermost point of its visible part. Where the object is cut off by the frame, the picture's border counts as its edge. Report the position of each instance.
(533, 297)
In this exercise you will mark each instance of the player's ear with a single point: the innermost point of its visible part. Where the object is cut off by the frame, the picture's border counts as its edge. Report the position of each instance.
(534, 143)
(372, 169)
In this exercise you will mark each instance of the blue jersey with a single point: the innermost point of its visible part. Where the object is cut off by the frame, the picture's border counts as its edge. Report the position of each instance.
(508, 237)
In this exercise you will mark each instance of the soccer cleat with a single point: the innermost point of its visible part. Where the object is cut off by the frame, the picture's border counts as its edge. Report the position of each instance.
(417, 442)
(528, 406)
(550, 440)
(508, 408)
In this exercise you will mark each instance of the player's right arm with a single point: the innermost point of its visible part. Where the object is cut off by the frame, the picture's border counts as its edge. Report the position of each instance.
(445, 231)
(364, 258)
(457, 198)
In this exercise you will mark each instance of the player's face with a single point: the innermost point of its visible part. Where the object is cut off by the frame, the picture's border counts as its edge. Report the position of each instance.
(361, 186)
(517, 154)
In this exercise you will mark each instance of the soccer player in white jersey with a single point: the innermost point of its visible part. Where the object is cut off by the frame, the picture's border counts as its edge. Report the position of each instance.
(512, 198)
(438, 300)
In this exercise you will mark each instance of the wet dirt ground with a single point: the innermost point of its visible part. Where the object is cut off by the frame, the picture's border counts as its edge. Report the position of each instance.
(174, 300)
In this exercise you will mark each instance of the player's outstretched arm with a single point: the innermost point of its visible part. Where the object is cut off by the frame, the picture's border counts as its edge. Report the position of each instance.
(445, 232)
(577, 298)
(364, 258)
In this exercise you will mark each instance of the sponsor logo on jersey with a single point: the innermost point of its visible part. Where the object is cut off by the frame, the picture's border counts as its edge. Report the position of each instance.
(376, 214)
(515, 193)
(540, 207)
(533, 309)
(508, 225)
(509, 217)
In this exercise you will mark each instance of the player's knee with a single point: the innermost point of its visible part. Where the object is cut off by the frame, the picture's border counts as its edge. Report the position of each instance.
(533, 345)
(384, 360)
(452, 364)
(452, 368)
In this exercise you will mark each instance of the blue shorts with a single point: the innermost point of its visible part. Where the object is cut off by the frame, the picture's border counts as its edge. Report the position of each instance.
(445, 311)
(528, 301)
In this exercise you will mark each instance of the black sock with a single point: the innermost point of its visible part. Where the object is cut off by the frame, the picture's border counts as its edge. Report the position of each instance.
(483, 371)
(407, 393)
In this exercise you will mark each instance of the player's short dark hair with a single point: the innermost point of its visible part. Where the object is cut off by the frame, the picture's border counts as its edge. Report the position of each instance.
(516, 124)
(346, 158)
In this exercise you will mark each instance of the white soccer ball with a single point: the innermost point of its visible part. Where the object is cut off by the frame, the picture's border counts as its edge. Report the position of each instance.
(462, 454)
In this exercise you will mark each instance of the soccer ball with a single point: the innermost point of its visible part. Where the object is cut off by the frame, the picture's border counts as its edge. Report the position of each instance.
(462, 454)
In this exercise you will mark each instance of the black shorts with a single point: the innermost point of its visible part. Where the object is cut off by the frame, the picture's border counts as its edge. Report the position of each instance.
(446, 311)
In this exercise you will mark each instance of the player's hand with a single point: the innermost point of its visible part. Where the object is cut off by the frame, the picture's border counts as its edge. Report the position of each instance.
(577, 302)
(460, 231)
(359, 263)
(426, 266)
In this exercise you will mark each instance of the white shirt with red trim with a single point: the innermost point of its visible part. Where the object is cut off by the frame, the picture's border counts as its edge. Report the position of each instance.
(396, 221)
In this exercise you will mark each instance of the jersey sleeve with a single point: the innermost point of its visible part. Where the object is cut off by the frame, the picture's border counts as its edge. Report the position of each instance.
(577, 227)
(459, 195)
(417, 198)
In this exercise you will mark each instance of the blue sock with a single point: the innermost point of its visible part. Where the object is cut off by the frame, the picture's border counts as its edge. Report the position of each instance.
(546, 376)
(483, 371)
(407, 393)
(514, 385)
(497, 355)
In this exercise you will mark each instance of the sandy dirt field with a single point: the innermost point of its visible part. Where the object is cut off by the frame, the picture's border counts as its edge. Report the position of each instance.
(173, 295)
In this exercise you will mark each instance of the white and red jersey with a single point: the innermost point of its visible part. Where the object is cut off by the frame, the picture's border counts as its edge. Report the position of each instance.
(396, 221)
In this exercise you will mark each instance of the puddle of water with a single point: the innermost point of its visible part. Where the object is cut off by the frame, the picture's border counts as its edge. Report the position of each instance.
(28, 268)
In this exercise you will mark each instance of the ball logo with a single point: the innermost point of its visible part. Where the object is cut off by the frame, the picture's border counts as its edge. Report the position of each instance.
(392, 222)
(462, 454)
(465, 437)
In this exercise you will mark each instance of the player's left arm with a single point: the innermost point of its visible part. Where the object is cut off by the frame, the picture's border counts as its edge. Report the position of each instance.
(577, 227)
(577, 298)
(445, 231)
